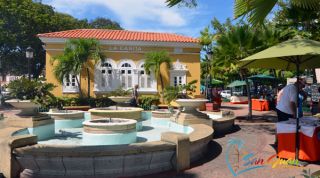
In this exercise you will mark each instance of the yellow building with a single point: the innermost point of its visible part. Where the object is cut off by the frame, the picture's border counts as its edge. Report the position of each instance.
(123, 67)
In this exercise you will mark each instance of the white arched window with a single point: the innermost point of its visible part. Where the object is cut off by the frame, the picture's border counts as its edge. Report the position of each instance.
(70, 84)
(144, 78)
(178, 74)
(106, 75)
(126, 75)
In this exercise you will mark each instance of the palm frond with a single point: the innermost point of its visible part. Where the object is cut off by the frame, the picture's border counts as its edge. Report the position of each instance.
(307, 4)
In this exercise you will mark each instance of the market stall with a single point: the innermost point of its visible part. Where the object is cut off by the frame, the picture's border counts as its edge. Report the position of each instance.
(260, 105)
(309, 136)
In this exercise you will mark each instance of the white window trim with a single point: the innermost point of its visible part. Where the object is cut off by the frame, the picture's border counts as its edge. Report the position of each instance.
(179, 70)
(117, 74)
(71, 89)
(98, 74)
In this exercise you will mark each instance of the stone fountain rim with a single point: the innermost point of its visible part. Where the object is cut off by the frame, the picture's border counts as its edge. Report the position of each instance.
(90, 123)
(192, 100)
(119, 97)
(100, 110)
(69, 112)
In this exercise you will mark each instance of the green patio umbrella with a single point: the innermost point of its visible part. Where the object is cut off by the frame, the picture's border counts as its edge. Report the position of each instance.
(213, 82)
(237, 83)
(296, 54)
(262, 77)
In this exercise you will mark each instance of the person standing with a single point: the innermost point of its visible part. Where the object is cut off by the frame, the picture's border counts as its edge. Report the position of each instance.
(287, 101)
(135, 96)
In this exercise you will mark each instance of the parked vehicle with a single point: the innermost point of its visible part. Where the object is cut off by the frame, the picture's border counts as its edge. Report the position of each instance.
(226, 94)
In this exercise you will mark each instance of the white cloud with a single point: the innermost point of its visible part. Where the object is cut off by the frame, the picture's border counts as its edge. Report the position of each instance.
(130, 12)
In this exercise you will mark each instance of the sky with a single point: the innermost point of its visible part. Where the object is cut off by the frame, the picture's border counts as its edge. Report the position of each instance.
(149, 15)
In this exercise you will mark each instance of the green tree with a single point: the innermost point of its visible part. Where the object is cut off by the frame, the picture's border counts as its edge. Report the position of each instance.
(256, 10)
(20, 22)
(74, 59)
(103, 23)
(153, 63)
(231, 43)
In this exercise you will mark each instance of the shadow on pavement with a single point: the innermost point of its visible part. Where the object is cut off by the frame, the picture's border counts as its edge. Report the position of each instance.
(214, 150)
(231, 107)
(235, 129)
(258, 119)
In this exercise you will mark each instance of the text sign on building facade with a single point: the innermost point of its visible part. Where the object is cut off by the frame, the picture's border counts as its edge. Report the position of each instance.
(125, 48)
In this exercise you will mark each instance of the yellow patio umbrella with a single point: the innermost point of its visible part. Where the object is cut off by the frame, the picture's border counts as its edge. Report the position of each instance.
(295, 54)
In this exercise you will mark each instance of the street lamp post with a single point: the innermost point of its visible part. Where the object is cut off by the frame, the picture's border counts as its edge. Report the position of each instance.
(29, 56)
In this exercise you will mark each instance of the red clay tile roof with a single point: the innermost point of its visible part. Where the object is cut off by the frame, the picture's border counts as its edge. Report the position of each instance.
(124, 35)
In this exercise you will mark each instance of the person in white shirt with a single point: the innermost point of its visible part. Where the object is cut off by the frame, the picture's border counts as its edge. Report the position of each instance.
(287, 101)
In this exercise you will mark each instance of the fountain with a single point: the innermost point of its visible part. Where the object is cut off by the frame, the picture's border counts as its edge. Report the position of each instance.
(109, 131)
(190, 114)
(121, 110)
(67, 118)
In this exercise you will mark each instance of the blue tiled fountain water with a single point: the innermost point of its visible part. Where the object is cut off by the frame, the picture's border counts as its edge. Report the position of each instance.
(151, 131)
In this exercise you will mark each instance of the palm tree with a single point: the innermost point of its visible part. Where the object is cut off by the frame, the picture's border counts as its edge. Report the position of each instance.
(74, 59)
(153, 63)
(256, 10)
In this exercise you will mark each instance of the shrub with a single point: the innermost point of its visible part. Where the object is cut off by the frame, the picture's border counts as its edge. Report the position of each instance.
(59, 102)
(36, 90)
(147, 101)
(120, 92)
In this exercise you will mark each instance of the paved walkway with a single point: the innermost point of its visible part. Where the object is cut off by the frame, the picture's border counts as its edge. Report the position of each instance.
(257, 136)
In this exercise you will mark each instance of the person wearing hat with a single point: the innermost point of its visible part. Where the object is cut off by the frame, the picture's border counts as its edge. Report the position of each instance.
(287, 101)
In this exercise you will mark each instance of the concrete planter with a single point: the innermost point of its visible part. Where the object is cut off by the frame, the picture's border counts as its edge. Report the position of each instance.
(27, 107)
(161, 113)
(191, 105)
(222, 122)
(190, 114)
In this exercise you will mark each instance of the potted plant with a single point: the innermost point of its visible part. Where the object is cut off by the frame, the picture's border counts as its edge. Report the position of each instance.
(171, 93)
(148, 102)
(29, 94)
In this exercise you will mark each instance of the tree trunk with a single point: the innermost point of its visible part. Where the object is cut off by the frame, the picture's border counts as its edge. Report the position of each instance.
(249, 99)
(79, 87)
(88, 77)
(162, 88)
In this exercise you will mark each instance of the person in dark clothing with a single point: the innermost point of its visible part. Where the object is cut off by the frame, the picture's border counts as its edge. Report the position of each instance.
(135, 97)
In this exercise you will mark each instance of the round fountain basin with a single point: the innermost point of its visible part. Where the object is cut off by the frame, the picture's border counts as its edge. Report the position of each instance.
(109, 131)
(118, 112)
(67, 118)
(120, 99)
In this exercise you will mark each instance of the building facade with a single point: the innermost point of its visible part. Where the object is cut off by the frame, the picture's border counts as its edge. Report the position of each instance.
(124, 63)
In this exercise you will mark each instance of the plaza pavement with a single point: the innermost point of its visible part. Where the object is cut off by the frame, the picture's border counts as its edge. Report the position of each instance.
(258, 138)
